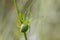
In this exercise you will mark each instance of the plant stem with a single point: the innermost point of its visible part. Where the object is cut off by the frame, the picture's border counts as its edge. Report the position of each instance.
(25, 35)
(16, 6)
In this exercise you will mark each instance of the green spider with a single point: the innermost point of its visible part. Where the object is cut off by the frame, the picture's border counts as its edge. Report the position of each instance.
(22, 23)
(23, 20)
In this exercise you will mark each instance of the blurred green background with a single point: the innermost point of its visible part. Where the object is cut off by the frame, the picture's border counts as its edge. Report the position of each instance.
(45, 24)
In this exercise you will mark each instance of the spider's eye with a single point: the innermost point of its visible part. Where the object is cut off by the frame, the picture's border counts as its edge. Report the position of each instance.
(24, 28)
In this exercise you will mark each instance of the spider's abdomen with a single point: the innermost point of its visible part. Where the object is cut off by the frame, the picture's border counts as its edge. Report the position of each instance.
(24, 28)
